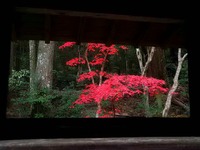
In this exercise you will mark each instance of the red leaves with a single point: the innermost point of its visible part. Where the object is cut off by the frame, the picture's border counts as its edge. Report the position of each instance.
(86, 95)
(124, 47)
(75, 61)
(115, 87)
(93, 46)
(67, 44)
(120, 86)
(87, 75)
(110, 50)
(97, 61)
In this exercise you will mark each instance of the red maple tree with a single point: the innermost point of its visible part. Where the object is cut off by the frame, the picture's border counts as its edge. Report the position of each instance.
(115, 87)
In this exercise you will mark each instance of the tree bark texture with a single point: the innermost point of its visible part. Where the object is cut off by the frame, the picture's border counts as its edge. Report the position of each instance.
(33, 60)
(157, 68)
(44, 67)
(175, 84)
(143, 68)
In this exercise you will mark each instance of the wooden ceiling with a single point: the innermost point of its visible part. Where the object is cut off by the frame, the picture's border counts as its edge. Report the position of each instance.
(119, 25)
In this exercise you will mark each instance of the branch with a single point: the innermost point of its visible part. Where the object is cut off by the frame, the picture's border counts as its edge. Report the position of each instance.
(139, 56)
(88, 64)
(180, 104)
(102, 69)
(175, 84)
(150, 53)
(149, 59)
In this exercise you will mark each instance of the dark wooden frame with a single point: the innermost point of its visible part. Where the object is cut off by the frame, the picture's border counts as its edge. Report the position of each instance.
(68, 128)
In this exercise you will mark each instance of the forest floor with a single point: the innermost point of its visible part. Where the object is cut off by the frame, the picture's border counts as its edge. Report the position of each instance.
(129, 107)
(179, 106)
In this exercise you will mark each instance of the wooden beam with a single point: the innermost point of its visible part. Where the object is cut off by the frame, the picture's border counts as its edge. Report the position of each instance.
(98, 15)
(169, 33)
(47, 28)
(142, 30)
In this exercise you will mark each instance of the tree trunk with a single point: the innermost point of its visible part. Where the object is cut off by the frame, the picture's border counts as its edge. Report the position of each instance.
(44, 69)
(11, 56)
(33, 60)
(175, 84)
(88, 64)
(157, 68)
(79, 65)
(144, 68)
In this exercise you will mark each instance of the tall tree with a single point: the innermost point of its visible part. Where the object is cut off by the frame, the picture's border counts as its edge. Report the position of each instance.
(13, 55)
(44, 68)
(144, 65)
(43, 71)
(157, 68)
(175, 83)
(33, 61)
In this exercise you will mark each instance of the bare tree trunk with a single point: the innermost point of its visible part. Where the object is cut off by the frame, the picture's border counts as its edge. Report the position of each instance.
(147, 108)
(102, 69)
(98, 109)
(140, 60)
(88, 64)
(187, 108)
(175, 84)
(44, 69)
(100, 83)
(10, 70)
(157, 62)
(11, 56)
(79, 65)
(126, 63)
(150, 53)
(143, 68)
(33, 60)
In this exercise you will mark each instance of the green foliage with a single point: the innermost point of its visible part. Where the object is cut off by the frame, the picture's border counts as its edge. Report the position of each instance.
(156, 105)
(183, 78)
(48, 104)
(91, 113)
(19, 80)
(59, 79)
(31, 100)
(64, 109)
(124, 63)
(39, 115)
(21, 110)
(105, 104)
(24, 60)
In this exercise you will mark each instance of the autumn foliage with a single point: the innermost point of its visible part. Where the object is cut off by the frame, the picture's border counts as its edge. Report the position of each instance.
(120, 86)
(114, 87)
